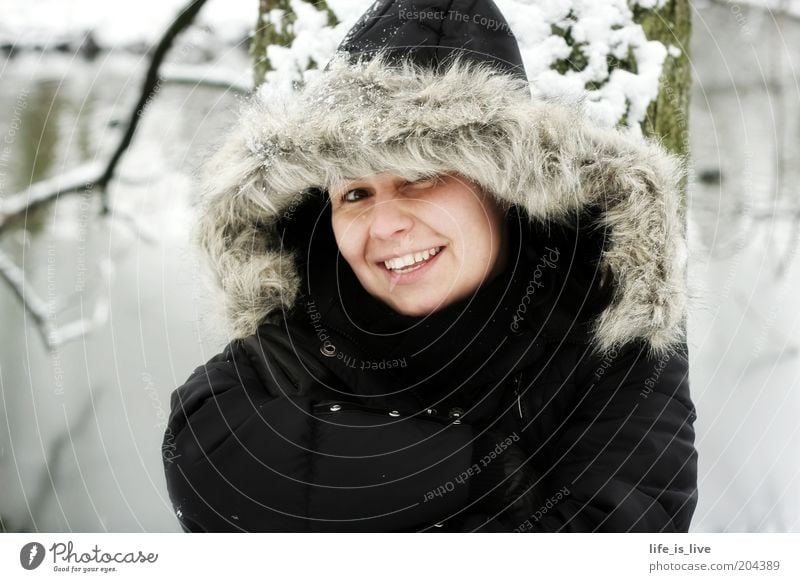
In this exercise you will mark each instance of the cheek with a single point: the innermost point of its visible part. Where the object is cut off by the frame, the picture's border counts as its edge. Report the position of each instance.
(473, 224)
(481, 229)
(348, 239)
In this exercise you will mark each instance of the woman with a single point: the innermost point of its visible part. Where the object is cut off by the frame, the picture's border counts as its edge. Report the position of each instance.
(455, 309)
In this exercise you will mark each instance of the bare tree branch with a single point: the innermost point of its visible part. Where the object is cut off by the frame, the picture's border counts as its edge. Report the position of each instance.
(96, 174)
(88, 176)
(149, 87)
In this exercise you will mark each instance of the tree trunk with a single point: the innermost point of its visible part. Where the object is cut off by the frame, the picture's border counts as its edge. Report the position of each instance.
(668, 115)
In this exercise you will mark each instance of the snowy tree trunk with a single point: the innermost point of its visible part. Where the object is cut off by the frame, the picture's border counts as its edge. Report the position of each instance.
(668, 115)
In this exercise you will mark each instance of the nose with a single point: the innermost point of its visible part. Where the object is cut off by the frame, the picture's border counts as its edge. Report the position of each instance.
(389, 219)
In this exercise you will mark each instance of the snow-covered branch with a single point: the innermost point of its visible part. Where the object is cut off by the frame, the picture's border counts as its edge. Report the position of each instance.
(82, 178)
(97, 174)
(149, 88)
(43, 313)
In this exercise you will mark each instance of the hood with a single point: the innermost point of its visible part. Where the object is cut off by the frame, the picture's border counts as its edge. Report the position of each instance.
(431, 33)
(464, 116)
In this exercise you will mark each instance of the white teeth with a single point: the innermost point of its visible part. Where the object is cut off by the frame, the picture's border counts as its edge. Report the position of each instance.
(398, 263)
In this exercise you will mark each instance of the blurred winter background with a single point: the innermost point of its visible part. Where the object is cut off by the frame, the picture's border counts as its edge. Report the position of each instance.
(101, 304)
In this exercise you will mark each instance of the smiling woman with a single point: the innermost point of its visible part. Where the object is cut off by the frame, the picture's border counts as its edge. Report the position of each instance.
(445, 299)
(419, 246)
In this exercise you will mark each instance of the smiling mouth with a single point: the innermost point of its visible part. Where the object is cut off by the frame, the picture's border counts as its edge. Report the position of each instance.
(411, 262)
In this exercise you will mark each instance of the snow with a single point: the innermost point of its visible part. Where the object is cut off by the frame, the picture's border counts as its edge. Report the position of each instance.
(745, 342)
(114, 23)
(603, 29)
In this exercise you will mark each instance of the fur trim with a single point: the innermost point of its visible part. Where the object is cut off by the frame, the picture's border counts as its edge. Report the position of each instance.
(358, 119)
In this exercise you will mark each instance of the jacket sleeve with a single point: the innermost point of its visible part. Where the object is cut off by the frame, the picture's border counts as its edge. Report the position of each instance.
(623, 457)
(254, 444)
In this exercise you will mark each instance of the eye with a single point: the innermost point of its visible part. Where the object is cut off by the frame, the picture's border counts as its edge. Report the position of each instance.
(353, 195)
(427, 182)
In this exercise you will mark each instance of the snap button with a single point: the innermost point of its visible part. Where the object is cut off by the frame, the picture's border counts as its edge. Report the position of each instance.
(455, 412)
(394, 413)
(335, 407)
(430, 411)
(328, 350)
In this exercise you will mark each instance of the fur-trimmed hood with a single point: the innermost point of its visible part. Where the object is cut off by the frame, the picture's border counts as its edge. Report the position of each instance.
(374, 116)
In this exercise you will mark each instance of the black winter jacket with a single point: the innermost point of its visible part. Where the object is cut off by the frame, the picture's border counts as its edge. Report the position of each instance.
(301, 424)
(270, 435)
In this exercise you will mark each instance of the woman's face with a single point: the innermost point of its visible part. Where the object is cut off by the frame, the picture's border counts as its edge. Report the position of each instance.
(418, 246)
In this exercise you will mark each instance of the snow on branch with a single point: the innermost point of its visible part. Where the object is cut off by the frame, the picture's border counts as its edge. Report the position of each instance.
(591, 53)
(83, 177)
(43, 313)
(88, 176)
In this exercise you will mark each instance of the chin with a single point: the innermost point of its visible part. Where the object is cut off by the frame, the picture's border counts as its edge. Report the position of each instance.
(418, 308)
